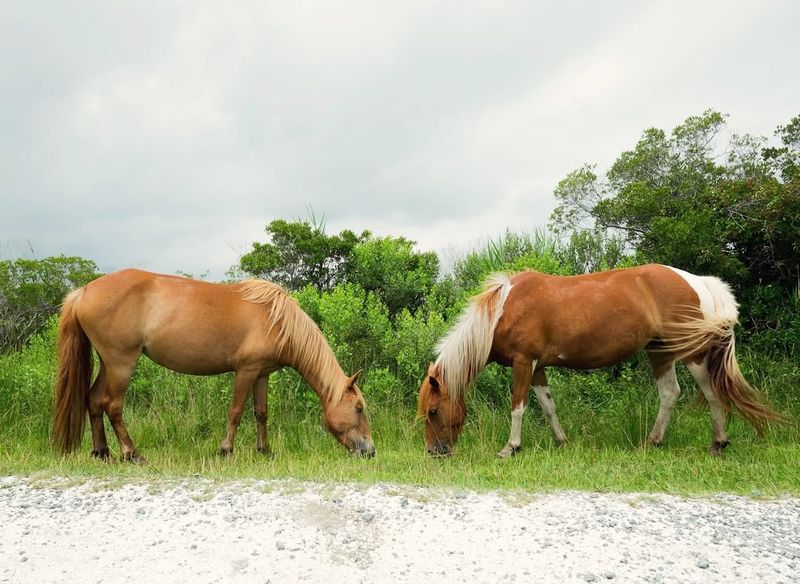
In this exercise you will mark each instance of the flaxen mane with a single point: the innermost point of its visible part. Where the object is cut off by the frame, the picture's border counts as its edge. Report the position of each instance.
(464, 351)
(299, 337)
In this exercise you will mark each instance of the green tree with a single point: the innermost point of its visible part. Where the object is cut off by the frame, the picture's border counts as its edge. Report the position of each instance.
(300, 253)
(32, 290)
(389, 267)
(679, 200)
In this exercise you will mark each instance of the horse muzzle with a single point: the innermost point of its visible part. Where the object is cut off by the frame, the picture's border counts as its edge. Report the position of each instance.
(440, 449)
(363, 449)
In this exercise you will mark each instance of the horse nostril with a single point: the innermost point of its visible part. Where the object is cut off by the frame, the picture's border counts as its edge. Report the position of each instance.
(364, 449)
(440, 449)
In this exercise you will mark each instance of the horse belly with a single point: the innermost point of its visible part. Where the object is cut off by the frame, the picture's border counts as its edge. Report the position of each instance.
(583, 335)
(195, 353)
(187, 362)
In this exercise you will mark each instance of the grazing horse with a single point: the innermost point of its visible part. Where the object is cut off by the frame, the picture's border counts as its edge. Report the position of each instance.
(530, 321)
(252, 328)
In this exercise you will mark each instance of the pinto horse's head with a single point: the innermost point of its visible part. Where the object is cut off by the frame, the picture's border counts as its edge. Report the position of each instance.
(347, 421)
(443, 415)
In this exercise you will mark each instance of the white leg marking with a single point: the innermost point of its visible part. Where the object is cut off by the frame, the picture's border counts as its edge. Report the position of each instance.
(514, 441)
(701, 376)
(516, 425)
(549, 408)
(668, 392)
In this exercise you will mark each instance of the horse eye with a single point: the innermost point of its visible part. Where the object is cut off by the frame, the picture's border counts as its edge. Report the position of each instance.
(433, 412)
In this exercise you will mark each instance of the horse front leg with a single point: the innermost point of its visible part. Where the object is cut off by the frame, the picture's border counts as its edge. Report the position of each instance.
(260, 410)
(523, 372)
(545, 398)
(242, 384)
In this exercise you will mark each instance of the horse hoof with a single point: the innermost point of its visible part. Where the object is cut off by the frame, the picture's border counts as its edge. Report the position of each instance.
(266, 452)
(134, 457)
(717, 448)
(509, 451)
(103, 454)
(224, 452)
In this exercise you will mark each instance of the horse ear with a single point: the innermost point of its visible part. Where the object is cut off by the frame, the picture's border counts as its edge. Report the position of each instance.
(352, 381)
(434, 383)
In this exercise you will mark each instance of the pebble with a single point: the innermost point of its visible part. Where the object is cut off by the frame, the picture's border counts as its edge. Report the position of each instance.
(371, 534)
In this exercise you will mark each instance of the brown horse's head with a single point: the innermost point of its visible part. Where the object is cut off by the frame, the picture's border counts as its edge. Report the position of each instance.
(443, 415)
(347, 421)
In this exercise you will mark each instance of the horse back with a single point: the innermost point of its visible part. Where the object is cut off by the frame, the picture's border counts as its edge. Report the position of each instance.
(187, 325)
(590, 320)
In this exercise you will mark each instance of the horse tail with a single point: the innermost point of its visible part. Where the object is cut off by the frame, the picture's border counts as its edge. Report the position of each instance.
(73, 378)
(712, 333)
(733, 389)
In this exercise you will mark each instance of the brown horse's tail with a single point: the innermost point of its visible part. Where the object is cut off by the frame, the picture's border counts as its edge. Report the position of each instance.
(74, 377)
(699, 333)
(732, 388)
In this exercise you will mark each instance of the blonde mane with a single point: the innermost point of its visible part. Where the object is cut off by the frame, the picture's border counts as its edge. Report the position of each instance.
(300, 342)
(464, 351)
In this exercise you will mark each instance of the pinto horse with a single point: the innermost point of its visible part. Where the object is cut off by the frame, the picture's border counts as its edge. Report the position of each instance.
(530, 321)
(252, 328)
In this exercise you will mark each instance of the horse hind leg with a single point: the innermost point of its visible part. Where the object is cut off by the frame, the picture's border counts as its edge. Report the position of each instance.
(98, 402)
(668, 392)
(699, 369)
(117, 379)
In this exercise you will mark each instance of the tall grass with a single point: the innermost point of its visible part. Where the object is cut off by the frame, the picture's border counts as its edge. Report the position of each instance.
(178, 420)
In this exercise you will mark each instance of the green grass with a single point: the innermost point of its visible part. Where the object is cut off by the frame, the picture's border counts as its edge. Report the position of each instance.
(177, 422)
(603, 454)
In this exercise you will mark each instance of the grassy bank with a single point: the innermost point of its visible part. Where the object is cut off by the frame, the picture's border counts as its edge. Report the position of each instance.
(177, 422)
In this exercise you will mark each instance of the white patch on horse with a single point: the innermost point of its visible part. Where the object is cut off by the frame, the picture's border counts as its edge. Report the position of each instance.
(716, 299)
(516, 425)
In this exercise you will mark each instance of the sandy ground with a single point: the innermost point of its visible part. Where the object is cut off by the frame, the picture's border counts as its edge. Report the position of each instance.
(287, 531)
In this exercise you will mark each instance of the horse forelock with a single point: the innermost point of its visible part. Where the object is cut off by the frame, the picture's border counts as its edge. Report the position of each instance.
(300, 342)
(464, 351)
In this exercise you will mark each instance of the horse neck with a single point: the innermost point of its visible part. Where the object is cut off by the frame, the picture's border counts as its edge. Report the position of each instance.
(464, 351)
(306, 351)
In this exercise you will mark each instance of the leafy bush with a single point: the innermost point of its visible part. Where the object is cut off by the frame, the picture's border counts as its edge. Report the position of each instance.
(32, 290)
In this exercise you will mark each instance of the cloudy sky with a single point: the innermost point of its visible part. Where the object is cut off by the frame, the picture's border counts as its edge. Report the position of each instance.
(166, 135)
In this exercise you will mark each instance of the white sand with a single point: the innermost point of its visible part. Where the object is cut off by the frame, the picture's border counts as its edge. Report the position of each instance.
(287, 531)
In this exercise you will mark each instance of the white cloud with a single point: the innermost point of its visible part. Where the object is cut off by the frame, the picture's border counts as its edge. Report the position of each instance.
(168, 135)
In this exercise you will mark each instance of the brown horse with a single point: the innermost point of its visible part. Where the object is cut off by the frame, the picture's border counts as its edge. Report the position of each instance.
(530, 321)
(252, 328)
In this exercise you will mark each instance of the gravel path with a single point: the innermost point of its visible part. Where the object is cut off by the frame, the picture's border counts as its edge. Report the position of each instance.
(287, 531)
